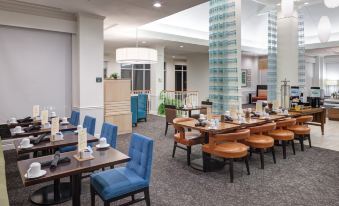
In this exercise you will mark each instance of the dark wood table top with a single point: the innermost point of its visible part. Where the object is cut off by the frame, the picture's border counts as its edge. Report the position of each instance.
(222, 128)
(190, 108)
(102, 158)
(63, 127)
(25, 124)
(70, 139)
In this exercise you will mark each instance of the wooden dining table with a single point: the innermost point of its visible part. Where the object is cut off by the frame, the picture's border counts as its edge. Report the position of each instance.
(190, 109)
(102, 158)
(63, 127)
(70, 139)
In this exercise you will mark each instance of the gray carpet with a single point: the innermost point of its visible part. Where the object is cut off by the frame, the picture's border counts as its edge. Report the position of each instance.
(308, 178)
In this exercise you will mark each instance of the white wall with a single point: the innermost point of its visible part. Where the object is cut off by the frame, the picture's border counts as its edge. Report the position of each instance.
(197, 76)
(112, 65)
(35, 67)
(250, 63)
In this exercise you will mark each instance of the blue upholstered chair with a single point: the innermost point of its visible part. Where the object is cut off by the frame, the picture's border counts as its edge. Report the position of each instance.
(89, 123)
(115, 184)
(134, 110)
(110, 132)
(75, 116)
(142, 107)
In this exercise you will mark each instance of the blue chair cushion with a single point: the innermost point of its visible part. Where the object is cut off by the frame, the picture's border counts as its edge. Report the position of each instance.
(116, 182)
(67, 149)
(142, 106)
(110, 131)
(134, 109)
(74, 120)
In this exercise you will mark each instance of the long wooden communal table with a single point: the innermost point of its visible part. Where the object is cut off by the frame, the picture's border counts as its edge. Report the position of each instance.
(207, 163)
(319, 116)
(70, 139)
(102, 158)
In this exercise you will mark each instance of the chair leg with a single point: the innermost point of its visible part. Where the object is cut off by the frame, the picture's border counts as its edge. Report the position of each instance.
(147, 197)
(247, 165)
(188, 155)
(166, 128)
(92, 196)
(231, 170)
(301, 140)
(133, 197)
(273, 155)
(284, 148)
(106, 203)
(174, 147)
(262, 158)
(293, 147)
(309, 140)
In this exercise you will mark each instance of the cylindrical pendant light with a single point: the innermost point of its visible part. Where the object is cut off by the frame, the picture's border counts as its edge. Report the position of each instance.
(331, 3)
(136, 55)
(324, 29)
(287, 7)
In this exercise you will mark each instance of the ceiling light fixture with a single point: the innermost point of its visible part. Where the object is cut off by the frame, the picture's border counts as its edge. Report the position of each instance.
(136, 55)
(157, 4)
(287, 7)
(144, 42)
(181, 46)
(324, 29)
(331, 3)
(306, 3)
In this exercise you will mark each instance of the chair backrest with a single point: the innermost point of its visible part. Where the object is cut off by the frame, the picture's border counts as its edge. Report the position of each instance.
(110, 132)
(141, 153)
(89, 123)
(134, 108)
(170, 113)
(142, 105)
(5, 132)
(179, 128)
(232, 137)
(75, 116)
(304, 119)
(263, 128)
(283, 124)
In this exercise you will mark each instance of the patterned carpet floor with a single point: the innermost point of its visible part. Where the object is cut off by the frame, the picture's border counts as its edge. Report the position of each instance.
(307, 178)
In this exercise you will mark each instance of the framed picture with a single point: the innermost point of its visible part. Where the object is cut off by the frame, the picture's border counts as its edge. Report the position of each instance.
(244, 77)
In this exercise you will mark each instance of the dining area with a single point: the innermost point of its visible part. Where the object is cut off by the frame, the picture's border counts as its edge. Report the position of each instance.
(56, 154)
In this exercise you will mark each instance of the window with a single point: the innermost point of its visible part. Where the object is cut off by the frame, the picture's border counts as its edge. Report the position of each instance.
(180, 78)
(140, 74)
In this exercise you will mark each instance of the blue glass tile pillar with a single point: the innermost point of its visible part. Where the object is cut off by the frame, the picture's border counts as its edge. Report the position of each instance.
(301, 42)
(224, 55)
(272, 57)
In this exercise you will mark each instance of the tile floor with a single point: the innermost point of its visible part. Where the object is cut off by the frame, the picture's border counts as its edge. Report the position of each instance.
(331, 138)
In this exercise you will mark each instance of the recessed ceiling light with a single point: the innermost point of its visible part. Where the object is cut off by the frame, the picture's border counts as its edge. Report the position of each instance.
(278, 4)
(181, 46)
(157, 4)
(144, 42)
(306, 3)
(173, 57)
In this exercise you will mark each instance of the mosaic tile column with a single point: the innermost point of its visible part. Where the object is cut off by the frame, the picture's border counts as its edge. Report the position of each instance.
(301, 42)
(225, 55)
(272, 56)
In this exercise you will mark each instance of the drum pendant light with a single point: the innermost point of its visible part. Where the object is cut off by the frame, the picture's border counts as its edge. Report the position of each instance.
(287, 7)
(331, 3)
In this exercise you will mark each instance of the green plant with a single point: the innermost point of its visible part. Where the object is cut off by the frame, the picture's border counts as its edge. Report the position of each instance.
(114, 76)
(165, 100)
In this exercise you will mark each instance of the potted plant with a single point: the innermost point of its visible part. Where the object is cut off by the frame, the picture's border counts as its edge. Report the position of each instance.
(114, 76)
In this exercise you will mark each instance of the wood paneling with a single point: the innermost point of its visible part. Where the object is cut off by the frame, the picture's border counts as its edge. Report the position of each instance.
(118, 104)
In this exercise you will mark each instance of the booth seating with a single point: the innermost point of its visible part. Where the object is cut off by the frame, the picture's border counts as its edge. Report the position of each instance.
(301, 131)
(115, 184)
(134, 110)
(187, 139)
(142, 107)
(227, 147)
(260, 141)
(284, 135)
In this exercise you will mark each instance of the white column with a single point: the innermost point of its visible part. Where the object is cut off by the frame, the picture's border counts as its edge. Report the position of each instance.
(287, 50)
(157, 79)
(88, 59)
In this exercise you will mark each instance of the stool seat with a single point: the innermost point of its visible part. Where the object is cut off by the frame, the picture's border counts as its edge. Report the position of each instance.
(299, 129)
(260, 141)
(227, 150)
(281, 134)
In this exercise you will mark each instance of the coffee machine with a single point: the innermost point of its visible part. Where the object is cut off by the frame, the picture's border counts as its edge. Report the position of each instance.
(314, 100)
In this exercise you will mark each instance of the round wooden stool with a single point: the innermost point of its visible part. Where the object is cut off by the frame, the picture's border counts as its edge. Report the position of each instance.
(284, 135)
(227, 147)
(260, 141)
(301, 130)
